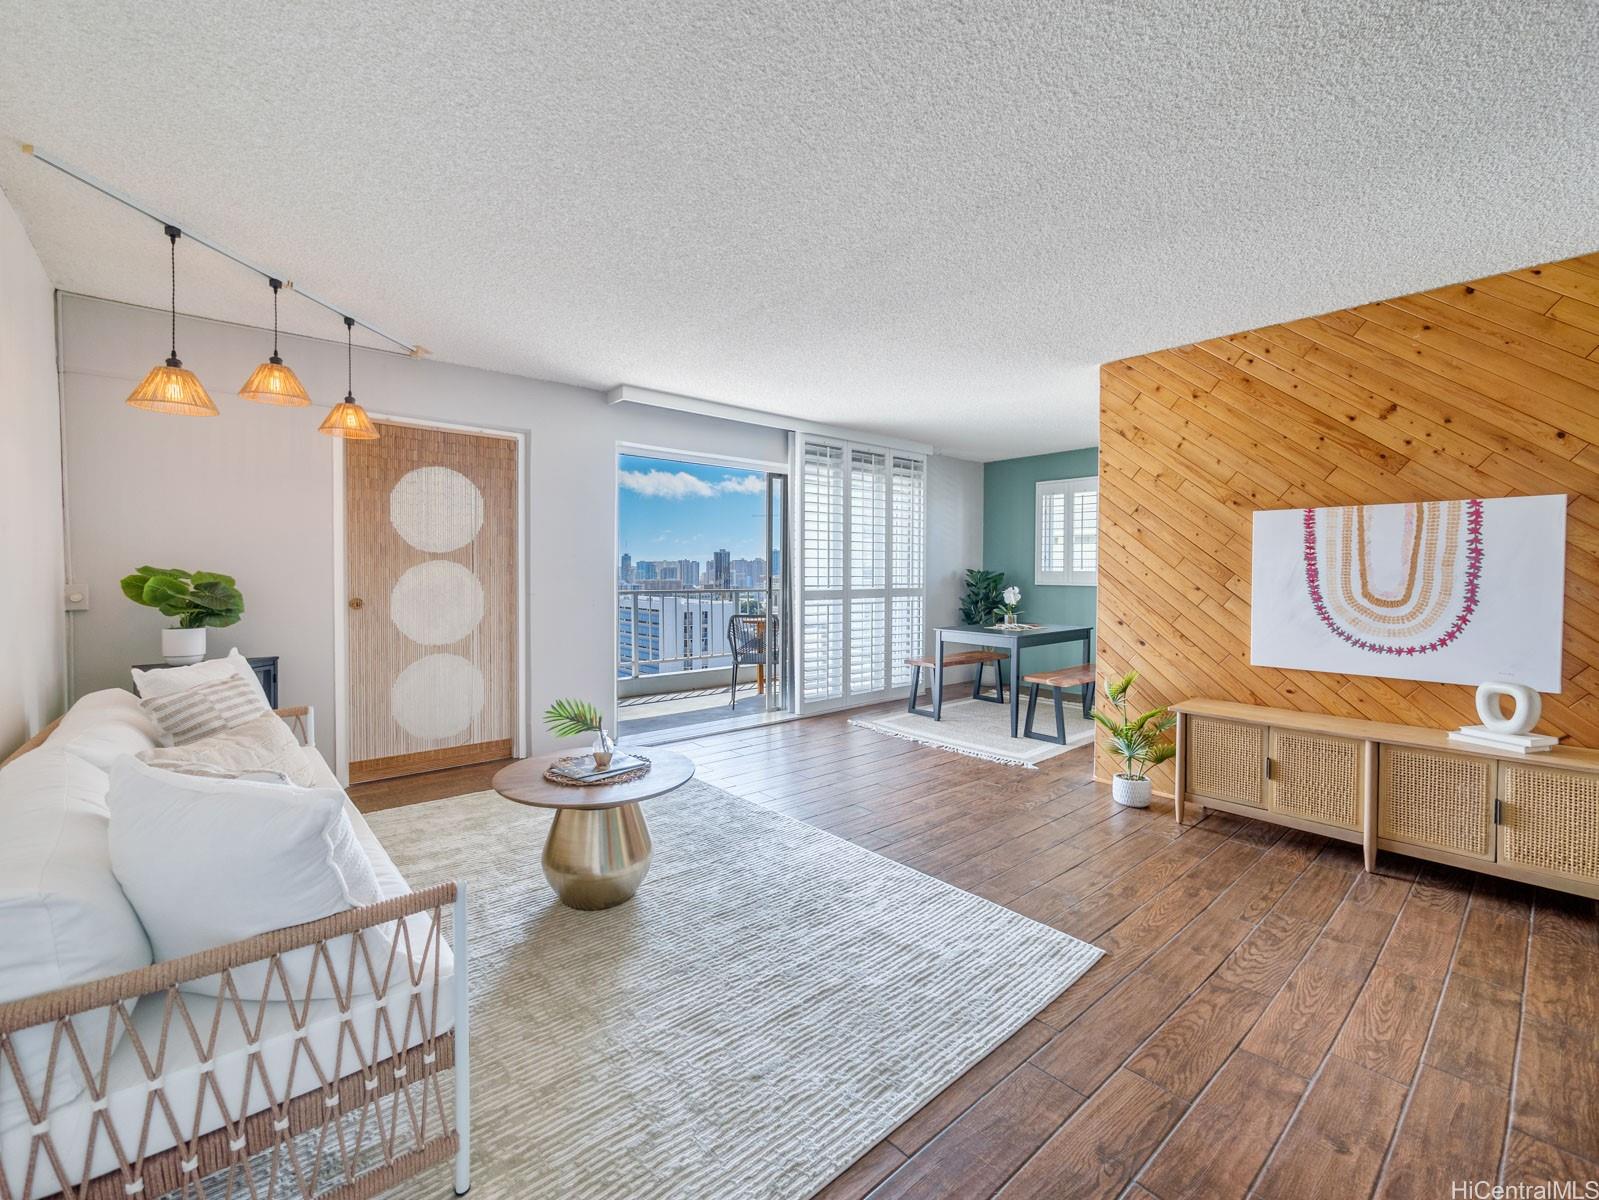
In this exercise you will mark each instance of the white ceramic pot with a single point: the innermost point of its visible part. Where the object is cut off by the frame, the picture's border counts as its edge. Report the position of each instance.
(1130, 792)
(183, 646)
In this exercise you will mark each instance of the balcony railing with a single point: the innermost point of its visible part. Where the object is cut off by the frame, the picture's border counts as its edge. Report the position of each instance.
(711, 608)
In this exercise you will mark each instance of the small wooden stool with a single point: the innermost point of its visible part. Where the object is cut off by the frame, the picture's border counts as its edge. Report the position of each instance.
(965, 658)
(1059, 682)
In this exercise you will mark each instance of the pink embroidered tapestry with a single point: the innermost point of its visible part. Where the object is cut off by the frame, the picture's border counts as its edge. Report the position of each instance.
(1447, 591)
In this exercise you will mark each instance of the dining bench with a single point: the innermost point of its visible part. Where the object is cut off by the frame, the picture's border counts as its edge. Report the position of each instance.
(963, 658)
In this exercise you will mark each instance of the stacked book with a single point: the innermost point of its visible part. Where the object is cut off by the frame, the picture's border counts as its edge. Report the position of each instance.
(583, 770)
(1481, 737)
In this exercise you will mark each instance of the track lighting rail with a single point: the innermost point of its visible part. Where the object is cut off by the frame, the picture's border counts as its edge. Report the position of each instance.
(105, 189)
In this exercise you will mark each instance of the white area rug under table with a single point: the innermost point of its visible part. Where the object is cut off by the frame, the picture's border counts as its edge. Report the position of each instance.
(773, 1002)
(982, 730)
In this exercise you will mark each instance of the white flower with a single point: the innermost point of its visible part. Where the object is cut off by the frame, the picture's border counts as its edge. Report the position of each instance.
(1013, 595)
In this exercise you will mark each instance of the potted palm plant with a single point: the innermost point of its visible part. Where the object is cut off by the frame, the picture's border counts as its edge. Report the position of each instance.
(198, 600)
(568, 718)
(1139, 741)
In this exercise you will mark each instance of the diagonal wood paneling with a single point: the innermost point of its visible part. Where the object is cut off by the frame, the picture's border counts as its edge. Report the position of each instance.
(1488, 388)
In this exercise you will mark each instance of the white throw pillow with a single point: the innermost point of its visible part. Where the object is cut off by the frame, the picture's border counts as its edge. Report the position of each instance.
(163, 681)
(262, 744)
(103, 726)
(63, 919)
(210, 861)
(199, 712)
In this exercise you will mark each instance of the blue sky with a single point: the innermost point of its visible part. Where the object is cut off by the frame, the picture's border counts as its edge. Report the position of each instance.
(670, 509)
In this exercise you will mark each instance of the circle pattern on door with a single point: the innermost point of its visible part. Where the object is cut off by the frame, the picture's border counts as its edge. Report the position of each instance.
(437, 696)
(436, 602)
(436, 509)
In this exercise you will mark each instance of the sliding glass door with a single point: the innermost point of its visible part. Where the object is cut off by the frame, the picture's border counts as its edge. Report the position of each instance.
(862, 587)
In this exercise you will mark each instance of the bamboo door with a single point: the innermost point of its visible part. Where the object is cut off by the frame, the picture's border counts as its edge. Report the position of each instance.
(430, 571)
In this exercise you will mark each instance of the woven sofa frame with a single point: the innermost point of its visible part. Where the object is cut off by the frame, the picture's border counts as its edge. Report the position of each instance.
(395, 1103)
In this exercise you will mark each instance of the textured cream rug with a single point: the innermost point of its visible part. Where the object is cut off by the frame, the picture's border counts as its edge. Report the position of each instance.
(982, 730)
(772, 1003)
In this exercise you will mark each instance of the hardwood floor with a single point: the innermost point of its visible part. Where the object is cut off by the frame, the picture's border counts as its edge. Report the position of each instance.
(1268, 1019)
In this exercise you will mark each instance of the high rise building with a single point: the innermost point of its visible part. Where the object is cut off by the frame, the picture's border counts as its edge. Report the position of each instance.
(625, 571)
(722, 569)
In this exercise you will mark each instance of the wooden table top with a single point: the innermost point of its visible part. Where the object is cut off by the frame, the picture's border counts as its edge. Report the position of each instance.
(524, 781)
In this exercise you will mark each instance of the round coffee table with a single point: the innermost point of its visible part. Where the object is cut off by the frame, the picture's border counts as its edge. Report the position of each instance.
(598, 850)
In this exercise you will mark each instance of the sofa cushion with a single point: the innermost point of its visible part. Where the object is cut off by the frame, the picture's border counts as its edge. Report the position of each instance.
(63, 918)
(103, 726)
(210, 861)
(260, 745)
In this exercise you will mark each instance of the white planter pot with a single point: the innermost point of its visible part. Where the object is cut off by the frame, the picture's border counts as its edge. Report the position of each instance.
(183, 646)
(1130, 792)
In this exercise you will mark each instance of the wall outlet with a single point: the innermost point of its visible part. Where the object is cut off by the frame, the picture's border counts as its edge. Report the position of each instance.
(76, 597)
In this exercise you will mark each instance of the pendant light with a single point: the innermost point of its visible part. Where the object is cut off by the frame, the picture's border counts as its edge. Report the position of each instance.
(347, 418)
(170, 388)
(272, 382)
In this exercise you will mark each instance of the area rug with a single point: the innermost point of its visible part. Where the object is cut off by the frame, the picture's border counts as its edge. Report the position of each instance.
(982, 730)
(771, 1004)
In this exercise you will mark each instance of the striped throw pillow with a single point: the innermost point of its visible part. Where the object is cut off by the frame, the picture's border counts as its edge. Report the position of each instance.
(199, 712)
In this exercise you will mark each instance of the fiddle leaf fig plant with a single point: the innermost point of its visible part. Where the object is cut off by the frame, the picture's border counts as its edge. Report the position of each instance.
(984, 597)
(195, 599)
(1139, 741)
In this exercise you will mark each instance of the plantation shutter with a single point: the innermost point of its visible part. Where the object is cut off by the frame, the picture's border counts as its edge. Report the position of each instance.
(862, 535)
(1067, 533)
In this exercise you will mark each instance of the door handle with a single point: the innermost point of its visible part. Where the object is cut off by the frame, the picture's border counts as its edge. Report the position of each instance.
(357, 602)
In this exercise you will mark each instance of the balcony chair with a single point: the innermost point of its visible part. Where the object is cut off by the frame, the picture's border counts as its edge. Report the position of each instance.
(746, 638)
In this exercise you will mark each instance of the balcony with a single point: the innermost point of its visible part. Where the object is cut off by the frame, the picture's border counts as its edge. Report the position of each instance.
(674, 666)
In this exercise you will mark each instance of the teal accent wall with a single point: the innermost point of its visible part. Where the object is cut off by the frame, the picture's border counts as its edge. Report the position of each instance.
(1008, 520)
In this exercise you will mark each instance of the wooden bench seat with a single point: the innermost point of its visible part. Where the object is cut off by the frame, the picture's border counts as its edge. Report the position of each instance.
(961, 658)
(1066, 677)
(1059, 682)
(964, 658)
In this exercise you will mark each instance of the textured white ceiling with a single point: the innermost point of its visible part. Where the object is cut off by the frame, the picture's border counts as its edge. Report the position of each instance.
(925, 218)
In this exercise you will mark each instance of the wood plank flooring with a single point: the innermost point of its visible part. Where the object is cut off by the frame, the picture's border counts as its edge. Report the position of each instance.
(1268, 1020)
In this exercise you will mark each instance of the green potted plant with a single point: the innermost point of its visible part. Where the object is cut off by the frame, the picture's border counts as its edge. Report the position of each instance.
(198, 600)
(568, 718)
(1139, 741)
(984, 596)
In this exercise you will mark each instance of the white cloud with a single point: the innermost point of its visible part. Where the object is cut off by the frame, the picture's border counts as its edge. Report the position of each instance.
(680, 485)
(666, 485)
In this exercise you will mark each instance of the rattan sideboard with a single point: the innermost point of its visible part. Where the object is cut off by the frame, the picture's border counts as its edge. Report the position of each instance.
(1396, 787)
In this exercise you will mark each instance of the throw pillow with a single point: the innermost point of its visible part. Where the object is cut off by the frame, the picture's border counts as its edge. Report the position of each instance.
(205, 862)
(261, 744)
(163, 681)
(201, 711)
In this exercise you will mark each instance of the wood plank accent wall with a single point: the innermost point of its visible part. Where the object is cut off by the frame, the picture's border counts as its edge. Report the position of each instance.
(1482, 389)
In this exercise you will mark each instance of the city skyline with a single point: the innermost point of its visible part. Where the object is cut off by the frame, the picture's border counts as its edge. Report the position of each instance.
(669, 510)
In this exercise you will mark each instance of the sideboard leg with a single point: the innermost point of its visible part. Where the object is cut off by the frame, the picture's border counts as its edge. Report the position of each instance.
(1368, 805)
(1179, 783)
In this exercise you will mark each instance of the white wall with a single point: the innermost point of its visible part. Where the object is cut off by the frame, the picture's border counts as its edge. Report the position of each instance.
(251, 493)
(32, 624)
(954, 534)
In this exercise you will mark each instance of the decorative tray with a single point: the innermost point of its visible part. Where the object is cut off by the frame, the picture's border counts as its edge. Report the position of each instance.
(578, 770)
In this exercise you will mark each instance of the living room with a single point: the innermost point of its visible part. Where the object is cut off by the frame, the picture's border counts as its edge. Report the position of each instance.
(841, 600)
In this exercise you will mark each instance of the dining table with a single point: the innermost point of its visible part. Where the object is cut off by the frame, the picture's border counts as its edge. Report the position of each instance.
(1011, 639)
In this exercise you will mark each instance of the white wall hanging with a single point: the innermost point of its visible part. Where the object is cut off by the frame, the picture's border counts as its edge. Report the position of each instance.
(1451, 591)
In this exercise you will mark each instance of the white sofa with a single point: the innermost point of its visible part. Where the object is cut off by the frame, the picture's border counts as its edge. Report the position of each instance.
(188, 1084)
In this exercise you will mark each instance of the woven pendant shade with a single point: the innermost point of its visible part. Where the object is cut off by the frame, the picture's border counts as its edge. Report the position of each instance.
(171, 388)
(274, 383)
(349, 420)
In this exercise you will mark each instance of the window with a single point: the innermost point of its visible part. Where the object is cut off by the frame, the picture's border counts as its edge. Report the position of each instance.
(1067, 533)
(862, 535)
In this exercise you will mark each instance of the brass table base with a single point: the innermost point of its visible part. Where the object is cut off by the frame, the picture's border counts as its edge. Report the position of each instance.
(596, 857)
